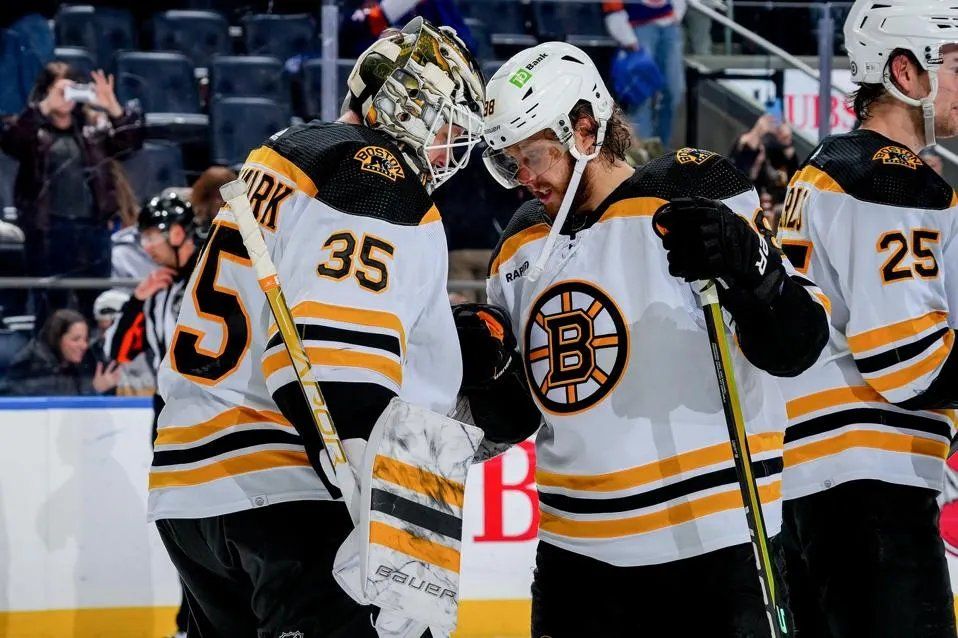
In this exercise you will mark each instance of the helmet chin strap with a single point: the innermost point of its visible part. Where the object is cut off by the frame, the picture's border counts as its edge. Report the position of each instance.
(926, 103)
(580, 161)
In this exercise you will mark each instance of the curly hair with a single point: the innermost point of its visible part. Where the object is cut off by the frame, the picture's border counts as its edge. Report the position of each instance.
(618, 133)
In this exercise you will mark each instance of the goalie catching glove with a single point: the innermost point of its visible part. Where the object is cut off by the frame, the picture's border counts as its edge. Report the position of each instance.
(706, 240)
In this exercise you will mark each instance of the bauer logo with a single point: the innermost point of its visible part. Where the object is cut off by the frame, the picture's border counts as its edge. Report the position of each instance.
(577, 347)
(376, 159)
(897, 156)
(415, 583)
(292, 634)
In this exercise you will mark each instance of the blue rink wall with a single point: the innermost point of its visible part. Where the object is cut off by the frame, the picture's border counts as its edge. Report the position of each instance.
(77, 557)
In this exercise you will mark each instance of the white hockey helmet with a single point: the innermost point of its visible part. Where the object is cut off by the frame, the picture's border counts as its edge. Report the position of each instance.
(876, 28)
(109, 303)
(535, 91)
(412, 83)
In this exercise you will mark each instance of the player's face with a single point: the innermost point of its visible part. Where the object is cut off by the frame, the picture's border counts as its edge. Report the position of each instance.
(74, 344)
(542, 166)
(440, 151)
(156, 243)
(946, 104)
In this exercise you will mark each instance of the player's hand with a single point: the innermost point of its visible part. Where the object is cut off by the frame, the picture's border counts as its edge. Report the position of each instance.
(157, 280)
(486, 342)
(106, 378)
(706, 240)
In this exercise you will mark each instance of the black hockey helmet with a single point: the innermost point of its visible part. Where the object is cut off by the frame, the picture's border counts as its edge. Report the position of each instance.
(163, 211)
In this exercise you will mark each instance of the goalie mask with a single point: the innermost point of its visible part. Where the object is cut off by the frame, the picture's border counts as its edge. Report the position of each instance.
(422, 87)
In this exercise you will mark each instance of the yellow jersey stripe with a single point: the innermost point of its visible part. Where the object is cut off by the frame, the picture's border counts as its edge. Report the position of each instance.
(432, 215)
(346, 314)
(817, 178)
(903, 377)
(832, 398)
(234, 416)
(633, 207)
(825, 301)
(886, 335)
(419, 548)
(658, 470)
(268, 158)
(419, 480)
(512, 245)
(333, 357)
(888, 441)
(668, 517)
(255, 462)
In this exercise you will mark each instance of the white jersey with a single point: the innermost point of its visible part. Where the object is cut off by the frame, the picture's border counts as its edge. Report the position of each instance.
(874, 227)
(361, 255)
(634, 465)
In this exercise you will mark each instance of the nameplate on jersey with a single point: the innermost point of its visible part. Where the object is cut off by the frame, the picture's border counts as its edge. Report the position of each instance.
(576, 347)
(379, 161)
(897, 156)
(266, 193)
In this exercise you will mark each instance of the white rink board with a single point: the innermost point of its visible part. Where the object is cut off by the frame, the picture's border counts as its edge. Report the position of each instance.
(73, 530)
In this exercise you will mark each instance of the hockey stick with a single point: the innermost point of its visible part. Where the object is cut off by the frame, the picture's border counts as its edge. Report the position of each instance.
(234, 194)
(724, 373)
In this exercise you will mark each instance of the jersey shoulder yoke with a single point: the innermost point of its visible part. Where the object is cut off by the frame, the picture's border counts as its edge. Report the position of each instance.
(355, 170)
(872, 168)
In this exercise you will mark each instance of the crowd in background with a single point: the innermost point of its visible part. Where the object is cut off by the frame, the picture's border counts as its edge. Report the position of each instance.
(77, 211)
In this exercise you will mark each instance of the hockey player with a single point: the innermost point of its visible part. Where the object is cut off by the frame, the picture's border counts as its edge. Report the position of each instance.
(237, 487)
(642, 527)
(867, 433)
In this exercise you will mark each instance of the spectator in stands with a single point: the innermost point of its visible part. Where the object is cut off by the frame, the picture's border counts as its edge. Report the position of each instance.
(58, 362)
(128, 259)
(766, 154)
(365, 20)
(206, 198)
(655, 25)
(933, 160)
(66, 188)
(136, 377)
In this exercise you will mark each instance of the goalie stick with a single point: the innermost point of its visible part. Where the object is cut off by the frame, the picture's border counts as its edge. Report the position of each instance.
(707, 292)
(234, 194)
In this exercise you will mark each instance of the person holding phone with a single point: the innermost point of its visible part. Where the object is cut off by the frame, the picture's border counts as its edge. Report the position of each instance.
(65, 188)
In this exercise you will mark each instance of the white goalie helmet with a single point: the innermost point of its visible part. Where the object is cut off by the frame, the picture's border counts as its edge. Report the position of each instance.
(411, 85)
(876, 28)
(535, 91)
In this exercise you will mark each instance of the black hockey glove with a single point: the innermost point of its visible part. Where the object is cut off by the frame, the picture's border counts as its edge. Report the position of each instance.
(486, 342)
(706, 240)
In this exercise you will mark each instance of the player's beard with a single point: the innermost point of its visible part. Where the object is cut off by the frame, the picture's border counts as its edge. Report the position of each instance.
(581, 195)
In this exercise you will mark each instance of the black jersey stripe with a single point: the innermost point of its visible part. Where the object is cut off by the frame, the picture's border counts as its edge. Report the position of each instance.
(874, 416)
(314, 332)
(416, 513)
(891, 357)
(726, 476)
(224, 444)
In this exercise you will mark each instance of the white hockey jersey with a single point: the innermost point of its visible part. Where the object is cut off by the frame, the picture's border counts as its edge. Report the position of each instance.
(361, 256)
(874, 226)
(634, 465)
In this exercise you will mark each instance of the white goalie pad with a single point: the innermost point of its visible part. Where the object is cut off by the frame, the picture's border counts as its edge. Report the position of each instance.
(412, 485)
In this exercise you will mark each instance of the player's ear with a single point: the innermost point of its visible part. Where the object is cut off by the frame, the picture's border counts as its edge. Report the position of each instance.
(585, 130)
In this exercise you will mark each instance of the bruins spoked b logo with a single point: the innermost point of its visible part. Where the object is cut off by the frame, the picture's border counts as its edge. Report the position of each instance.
(577, 346)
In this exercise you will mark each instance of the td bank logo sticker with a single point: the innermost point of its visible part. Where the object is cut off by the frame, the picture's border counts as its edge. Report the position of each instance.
(520, 77)
(576, 347)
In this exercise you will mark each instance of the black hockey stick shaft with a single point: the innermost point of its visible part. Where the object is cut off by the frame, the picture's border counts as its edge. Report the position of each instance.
(721, 358)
